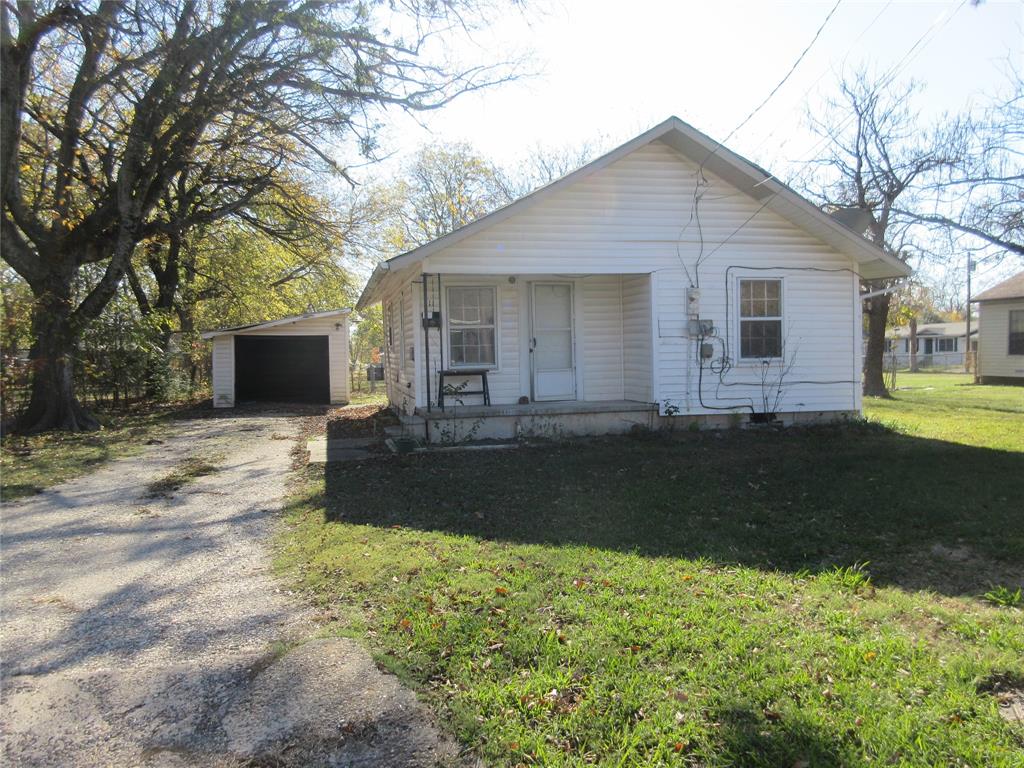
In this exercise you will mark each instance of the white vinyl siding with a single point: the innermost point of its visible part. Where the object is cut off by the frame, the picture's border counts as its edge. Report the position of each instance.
(223, 374)
(628, 221)
(994, 358)
(636, 338)
(399, 348)
(600, 307)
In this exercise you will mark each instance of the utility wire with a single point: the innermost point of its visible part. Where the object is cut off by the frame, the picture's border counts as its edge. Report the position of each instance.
(701, 182)
(775, 90)
(824, 72)
(913, 52)
(919, 45)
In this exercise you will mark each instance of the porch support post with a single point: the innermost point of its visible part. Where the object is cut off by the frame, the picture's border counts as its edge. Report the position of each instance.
(425, 314)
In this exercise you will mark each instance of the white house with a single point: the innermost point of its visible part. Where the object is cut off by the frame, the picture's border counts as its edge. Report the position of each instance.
(669, 278)
(293, 359)
(1001, 341)
(937, 344)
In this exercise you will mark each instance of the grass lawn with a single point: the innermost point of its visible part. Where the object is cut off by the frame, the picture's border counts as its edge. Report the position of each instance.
(804, 598)
(30, 464)
(947, 406)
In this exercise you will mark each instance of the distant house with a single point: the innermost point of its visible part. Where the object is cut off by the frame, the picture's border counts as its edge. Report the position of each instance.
(939, 345)
(1001, 342)
(668, 278)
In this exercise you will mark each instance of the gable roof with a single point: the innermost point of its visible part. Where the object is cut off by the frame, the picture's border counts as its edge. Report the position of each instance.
(272, 323)
(713, 156)
(1012, 288)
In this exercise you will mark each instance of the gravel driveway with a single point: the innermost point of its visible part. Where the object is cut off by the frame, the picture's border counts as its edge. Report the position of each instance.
(142, 630)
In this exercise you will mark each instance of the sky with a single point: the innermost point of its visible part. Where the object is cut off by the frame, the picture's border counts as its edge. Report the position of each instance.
(610, 70)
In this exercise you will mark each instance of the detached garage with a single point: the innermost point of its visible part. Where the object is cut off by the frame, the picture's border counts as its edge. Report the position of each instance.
(301, 359)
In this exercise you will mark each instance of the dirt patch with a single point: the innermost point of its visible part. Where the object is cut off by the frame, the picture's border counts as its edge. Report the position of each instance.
(954, 568)
(1008, 691)
(184, 473)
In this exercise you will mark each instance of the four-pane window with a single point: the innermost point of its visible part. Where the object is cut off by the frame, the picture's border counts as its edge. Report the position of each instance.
(1017, 331)
(760, 319)
(471, 312)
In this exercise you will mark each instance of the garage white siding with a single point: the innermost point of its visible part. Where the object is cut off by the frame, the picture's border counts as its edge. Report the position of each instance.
(223, 373)
(334, 327)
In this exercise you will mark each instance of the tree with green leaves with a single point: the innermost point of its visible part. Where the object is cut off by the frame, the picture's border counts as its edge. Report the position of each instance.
(104, 107)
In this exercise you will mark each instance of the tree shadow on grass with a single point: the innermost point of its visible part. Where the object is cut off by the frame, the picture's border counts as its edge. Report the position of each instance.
(752, 736)
(925, 514)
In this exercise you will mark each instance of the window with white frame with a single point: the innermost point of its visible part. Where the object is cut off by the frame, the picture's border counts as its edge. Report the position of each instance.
(760, 319)
(471, 328)
(1016, 345)
(945, 345)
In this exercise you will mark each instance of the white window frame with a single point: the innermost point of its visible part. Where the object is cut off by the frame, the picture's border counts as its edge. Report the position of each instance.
(493, 288)
(943, 341)
(740, 279)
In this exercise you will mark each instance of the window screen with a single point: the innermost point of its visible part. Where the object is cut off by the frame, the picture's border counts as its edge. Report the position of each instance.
(760, 319)
(471, 329)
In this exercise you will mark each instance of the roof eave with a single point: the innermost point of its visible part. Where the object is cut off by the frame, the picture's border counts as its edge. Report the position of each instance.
(370, 296)
(207, 335)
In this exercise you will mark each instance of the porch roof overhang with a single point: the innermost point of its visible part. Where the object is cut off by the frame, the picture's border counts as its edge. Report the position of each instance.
(873, 262)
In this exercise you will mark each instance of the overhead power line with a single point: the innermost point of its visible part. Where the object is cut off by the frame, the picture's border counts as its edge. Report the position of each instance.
(781, 83)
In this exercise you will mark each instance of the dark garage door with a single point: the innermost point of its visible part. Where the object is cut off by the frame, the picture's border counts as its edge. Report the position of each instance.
(282, 368)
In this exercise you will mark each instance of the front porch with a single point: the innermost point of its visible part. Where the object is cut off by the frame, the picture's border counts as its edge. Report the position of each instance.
(559, 342)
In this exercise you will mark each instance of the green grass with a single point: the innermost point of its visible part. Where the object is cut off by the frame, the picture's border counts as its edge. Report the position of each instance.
(184, 472)
(28, 465)
(366, 397)
(813, 597)
(947, 406)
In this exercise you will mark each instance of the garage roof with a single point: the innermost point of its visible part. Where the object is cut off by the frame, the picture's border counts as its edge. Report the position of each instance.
(272, 323)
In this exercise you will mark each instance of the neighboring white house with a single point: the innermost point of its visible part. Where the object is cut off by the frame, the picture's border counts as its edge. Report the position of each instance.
(294, 359)
(939, 345)
(626, 293)
(1001, 341)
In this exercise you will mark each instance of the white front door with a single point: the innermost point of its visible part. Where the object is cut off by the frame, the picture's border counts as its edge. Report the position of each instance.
(551, 342)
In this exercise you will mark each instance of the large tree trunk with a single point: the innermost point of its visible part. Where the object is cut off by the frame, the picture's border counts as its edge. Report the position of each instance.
(52, 403)
(877, 311)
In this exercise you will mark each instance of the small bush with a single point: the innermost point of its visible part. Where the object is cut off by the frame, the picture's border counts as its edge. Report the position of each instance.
(850, 578)
(1004, 596)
